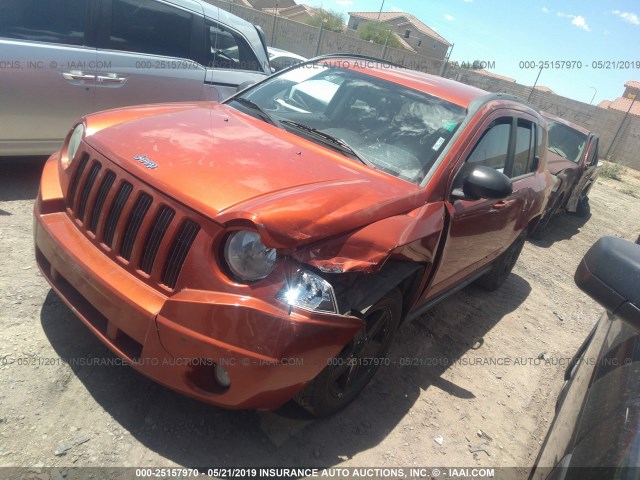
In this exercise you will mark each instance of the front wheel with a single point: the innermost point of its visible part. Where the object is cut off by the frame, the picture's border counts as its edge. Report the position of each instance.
(348, 373)
(583, 209)
(503, 265)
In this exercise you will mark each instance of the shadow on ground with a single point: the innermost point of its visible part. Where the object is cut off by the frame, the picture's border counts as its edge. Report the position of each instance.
(562, 226)
(194, 434)
(19, 178)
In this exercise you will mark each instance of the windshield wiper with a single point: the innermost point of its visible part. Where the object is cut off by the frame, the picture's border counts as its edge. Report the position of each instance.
(257, 109)
(343, 146)
(558, 152)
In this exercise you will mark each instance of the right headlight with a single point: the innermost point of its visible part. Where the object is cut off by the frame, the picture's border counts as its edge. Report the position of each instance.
(72, 146)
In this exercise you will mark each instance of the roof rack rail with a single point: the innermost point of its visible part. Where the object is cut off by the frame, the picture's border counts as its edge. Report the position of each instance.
(503, 96)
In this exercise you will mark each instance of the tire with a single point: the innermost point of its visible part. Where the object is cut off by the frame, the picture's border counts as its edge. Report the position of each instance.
(583, 209)
(346, 375)
(494, 278)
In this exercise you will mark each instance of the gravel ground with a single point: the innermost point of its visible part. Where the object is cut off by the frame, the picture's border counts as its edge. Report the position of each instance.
(486, 368)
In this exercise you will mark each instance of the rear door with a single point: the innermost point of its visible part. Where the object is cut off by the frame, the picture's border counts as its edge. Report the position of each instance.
(479, 230)
(48, 72)
(146, 52)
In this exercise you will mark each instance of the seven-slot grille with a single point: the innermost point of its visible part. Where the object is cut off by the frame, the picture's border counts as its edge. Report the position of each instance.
(128, 223)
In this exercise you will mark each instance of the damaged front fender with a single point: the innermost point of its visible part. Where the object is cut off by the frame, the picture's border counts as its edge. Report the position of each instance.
(412, 237)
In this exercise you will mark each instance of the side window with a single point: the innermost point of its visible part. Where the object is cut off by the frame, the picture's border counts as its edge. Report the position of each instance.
(228, 49)
(53, 21)
(525, 145)
(151, 27)
(493, 147)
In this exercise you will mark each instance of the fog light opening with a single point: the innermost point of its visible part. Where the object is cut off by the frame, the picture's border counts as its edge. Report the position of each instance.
(221, 376)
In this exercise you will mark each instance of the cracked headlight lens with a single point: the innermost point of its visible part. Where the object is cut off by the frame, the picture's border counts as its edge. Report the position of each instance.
(309, 292)
(247, 257)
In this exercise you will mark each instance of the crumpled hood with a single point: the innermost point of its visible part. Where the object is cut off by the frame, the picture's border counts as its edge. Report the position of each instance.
(556, 163)
(230, 166)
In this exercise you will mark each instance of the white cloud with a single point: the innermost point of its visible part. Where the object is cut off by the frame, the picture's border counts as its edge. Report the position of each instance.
(468, 1)
(577, 20)
(580, 22)
(449, 17)
(545, 10)
(627, 17)
(344, 3)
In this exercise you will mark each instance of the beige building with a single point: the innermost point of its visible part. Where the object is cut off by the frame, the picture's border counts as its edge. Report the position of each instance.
(413, 33)
(628, 102)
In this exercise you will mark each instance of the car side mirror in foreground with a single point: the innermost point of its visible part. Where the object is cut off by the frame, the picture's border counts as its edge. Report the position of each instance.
(484, 182)
(610, 274)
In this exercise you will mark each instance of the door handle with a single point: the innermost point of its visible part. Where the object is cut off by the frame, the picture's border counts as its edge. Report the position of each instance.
(502, 204)
(75, 75)
(111, 78)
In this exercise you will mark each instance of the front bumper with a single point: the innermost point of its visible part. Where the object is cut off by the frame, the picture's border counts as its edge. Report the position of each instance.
(268, 352)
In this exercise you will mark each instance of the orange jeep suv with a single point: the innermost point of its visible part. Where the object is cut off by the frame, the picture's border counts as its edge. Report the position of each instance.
(268, 247)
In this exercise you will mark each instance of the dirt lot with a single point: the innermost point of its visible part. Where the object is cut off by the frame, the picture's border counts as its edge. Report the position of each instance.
(484, 397)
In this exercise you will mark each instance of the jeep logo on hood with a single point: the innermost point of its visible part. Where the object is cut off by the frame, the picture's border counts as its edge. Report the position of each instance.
(145, 161)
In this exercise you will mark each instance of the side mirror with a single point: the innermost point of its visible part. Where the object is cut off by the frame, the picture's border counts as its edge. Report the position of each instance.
(610, 274)
(484, 182)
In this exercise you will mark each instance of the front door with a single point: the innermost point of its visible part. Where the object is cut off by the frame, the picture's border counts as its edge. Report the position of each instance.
(479, 230)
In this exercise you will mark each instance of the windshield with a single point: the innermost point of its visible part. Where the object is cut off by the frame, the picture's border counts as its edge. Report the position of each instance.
(566, 141)
(385, 125)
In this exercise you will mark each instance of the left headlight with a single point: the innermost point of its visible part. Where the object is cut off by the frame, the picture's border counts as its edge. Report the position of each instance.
(247, 257)
(72, 146)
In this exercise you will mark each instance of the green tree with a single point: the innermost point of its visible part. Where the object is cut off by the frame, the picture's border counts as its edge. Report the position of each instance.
(379, 32)
(331, 20)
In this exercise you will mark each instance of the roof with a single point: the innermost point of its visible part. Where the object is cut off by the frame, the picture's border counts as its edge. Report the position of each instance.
(403, 42)
(622, 104)
(632, 84)
(495, 75)
(291, 11)
(388, 16)
(604, 104)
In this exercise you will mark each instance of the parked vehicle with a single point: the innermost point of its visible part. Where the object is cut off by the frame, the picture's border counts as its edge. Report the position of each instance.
(596, 429)
(573, 162)
(281, 59)
(273, 243)
(68, 58)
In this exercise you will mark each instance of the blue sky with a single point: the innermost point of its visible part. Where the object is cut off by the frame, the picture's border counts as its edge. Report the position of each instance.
(510, 32)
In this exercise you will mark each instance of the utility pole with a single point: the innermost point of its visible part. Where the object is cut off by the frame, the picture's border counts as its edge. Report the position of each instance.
(534, 85)
(273, 30)
(386, 42)
(380, 12)
(443, 69)
(615, 138)
(320, 37)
